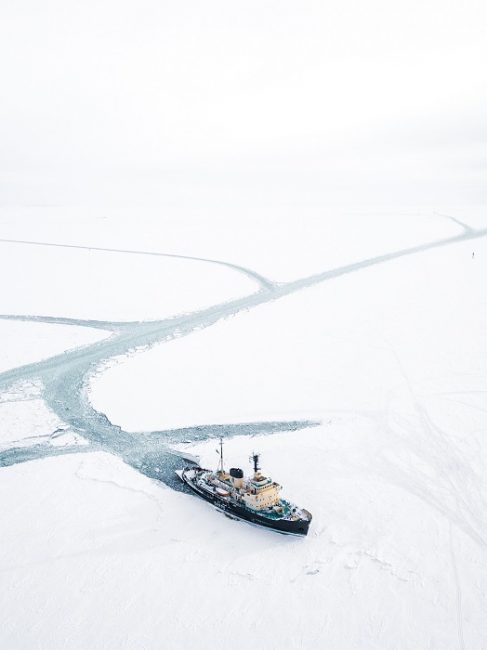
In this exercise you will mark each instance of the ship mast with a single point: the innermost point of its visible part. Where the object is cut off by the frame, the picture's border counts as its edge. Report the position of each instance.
(221, 457)
(255, 460)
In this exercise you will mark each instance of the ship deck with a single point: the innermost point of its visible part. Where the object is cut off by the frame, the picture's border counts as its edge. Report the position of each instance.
(285, 514)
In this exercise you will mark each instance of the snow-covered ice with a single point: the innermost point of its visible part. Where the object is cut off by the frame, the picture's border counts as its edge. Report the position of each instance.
(367, 341)
(381, 567)
(27, 342)
(388, 358)
(261, 221)
(114, 286)
(280, 242)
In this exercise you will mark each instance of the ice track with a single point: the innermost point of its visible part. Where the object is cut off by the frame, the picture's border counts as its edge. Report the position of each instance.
(64, 376)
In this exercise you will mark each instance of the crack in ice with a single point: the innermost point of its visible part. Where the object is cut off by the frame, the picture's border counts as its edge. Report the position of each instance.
(64, 376)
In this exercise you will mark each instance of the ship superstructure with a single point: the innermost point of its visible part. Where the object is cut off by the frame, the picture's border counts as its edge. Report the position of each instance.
(255, 499)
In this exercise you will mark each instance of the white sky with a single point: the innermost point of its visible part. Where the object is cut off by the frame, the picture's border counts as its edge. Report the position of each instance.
(377, 97)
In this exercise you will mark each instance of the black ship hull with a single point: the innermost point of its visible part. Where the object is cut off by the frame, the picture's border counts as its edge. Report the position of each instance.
(285, 526)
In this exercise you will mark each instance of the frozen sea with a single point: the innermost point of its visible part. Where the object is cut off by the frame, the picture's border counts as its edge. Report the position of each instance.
(356, 365)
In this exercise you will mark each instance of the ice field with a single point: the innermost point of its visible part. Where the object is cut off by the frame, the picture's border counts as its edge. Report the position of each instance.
(264, 222)
(364, 389)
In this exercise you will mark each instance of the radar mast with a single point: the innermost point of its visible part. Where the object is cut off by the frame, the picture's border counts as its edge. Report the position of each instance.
(255, 460)
(220, 464)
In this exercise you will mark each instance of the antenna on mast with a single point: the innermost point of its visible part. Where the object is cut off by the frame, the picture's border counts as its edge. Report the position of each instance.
(255, 460)
(221, 457)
